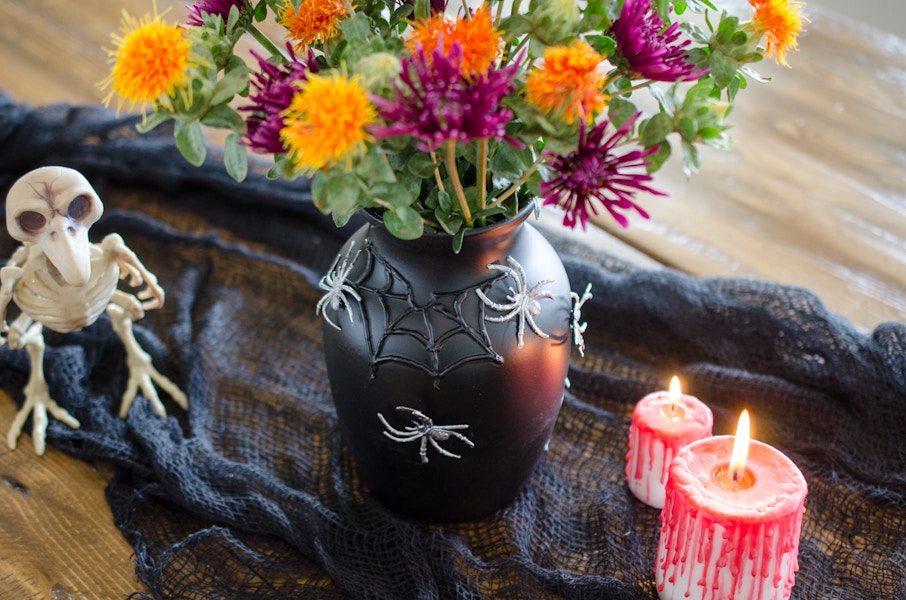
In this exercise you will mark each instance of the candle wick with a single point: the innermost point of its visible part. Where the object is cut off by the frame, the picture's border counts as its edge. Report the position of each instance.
(735, 476)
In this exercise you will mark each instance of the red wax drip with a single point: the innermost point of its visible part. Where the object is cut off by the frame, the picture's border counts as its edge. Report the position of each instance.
(739, 541)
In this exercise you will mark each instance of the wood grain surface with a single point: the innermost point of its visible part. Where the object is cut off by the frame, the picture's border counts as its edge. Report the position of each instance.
(813, 196)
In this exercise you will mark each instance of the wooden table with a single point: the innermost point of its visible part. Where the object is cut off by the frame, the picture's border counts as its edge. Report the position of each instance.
(814, 196)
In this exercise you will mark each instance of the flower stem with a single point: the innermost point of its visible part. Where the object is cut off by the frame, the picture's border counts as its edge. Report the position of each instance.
(457, 183)
(629, 90)
(437, 177)
(482, 172)
(268, 44)
(513, 188)
(349, 9)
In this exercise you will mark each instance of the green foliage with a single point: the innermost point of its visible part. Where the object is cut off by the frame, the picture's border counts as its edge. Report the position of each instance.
(485, 180)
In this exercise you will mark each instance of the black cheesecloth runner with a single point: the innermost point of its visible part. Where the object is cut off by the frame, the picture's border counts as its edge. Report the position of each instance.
(253, 493)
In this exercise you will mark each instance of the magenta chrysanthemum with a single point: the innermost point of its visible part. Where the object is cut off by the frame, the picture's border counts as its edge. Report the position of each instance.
(646, 49)
(595, 174)
(197, 10)
(436, 103)
(272, 92)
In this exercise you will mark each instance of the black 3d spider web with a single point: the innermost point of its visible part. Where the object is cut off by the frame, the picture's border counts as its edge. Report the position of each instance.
(432, 325)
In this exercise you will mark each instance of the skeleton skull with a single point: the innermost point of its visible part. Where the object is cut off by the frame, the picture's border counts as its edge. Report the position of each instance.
(53, 207)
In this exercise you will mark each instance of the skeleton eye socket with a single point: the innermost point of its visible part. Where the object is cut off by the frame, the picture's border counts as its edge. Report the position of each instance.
(79, 208)
(31, 222)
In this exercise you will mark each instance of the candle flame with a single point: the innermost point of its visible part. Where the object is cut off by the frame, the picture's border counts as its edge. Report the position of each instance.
(676, 391)
(740, 448)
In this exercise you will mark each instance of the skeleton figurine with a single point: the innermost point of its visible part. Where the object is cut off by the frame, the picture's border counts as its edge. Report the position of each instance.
(61, 281)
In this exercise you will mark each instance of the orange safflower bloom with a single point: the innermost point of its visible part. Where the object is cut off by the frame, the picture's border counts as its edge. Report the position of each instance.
(326, 121)
(150, 62)
(780, 22)
(316, 21)
(569, 82)
(477, 36)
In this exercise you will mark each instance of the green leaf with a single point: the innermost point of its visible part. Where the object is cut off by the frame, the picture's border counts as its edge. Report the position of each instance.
(445, 201)
(507, 162)
(692, 160)
(234, 81)
(152, 120)
(404, 222)
(657, 160)
(605, 45)
(457, 240)
(451, 223)
(687, 128)
(190, 142)
(398, 194)
(373, 168)
(235, 157)
(224, 117)
(656, 129)
(620, 111)
(727, 27)
(515, 26)
(356, 28)
(696, 32)
(723, 68)
(261, 11)
(401, 15)
(421, 165)
(337, 193)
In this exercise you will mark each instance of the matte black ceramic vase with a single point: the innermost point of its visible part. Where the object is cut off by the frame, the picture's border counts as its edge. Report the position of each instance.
(447, 370)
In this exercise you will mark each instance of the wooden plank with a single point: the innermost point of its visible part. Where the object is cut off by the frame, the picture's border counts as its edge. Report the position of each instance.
(814, 193)
(57, 537)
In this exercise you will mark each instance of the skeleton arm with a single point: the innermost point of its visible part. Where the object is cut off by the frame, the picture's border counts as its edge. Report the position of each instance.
(9, 277)
(132, 268)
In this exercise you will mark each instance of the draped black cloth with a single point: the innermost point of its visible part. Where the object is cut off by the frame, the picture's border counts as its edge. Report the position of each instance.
(253, 493)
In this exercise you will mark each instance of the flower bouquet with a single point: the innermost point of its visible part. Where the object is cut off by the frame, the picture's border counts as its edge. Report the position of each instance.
(448, 321)
(443, 116)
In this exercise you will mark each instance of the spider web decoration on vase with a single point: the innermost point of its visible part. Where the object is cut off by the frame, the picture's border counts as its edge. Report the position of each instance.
(464, 354)
(406, 321)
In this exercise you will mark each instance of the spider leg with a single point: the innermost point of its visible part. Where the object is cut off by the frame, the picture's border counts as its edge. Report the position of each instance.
(535, 327)
(460, 436)
(515, 311)
(391, 429)
(409, 438)
(423, 449)
(440, 449)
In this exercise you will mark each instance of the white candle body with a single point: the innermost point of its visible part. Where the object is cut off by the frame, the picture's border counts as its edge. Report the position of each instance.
(658, 431)
(720, 544)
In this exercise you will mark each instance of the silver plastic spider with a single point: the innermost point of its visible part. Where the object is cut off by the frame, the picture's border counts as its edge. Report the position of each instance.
(424, 430)
(334, 283)
(579, 328)
(524, 303)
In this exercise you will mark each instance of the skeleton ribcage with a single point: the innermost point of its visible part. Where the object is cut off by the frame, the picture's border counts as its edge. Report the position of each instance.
(45, 297)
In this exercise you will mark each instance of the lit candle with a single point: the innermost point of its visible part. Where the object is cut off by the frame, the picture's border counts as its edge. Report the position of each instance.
(662, 423)
(731, 521)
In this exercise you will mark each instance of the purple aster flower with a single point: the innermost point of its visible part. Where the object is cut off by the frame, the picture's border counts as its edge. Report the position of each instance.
(594, 174)
(273, 88)
(436, 103)
(645, 48)
(197, 10)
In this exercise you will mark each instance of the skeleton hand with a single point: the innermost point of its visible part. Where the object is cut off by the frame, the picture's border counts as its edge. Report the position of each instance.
(132, 269)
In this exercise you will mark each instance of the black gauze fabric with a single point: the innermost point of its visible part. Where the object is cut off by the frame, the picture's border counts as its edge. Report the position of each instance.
(253, 493)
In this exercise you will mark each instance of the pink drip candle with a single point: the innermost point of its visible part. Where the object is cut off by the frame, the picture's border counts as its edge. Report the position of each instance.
(662, 423)
(730, 532)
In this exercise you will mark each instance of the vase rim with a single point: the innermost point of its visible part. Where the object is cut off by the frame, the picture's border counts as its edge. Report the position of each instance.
(474, 232)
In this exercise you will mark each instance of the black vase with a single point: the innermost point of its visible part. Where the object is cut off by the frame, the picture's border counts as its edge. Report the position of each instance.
(447, 370)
